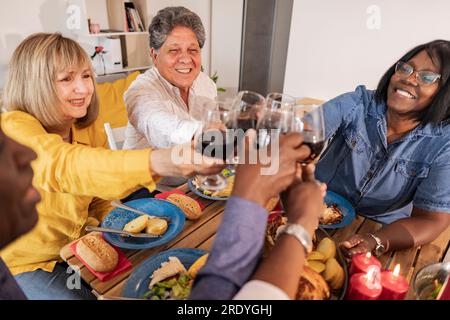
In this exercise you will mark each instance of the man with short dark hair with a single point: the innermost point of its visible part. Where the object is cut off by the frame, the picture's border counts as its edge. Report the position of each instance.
(18, 201)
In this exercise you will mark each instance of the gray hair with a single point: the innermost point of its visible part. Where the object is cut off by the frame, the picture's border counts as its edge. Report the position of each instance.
(171, 17)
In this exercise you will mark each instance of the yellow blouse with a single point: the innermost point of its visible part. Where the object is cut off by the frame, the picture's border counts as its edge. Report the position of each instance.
(72, 180)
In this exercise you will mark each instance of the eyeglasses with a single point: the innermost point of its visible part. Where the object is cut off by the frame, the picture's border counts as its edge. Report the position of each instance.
(425, 78)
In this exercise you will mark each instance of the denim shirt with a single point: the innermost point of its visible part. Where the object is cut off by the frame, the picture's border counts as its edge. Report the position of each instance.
(377, 177)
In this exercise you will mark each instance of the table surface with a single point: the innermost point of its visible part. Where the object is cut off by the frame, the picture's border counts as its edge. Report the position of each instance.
(200, 234)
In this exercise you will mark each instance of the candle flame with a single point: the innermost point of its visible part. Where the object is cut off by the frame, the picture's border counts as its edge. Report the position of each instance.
(368, 255)
(396, 270)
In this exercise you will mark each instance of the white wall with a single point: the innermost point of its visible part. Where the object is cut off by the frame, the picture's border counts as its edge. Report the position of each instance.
(332, 49)
(226, 35)
(51, 16)
(20, 18)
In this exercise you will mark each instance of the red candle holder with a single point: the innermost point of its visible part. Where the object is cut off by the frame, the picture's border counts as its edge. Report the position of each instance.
(395, 286)
(365, 286)
(361, 262)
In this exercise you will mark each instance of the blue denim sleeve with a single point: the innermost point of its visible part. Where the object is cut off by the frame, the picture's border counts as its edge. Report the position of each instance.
(235, 253)
(433, 193)
(337, 110)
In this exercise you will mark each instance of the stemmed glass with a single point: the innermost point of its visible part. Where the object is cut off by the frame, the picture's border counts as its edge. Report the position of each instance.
(215, 140)
(249, 106)
(272, 123)
(280, 101)
(309, 120)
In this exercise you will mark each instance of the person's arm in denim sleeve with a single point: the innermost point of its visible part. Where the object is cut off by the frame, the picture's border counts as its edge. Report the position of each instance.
(433, 192)
(235, 252)
(430, 215)
(337, 110)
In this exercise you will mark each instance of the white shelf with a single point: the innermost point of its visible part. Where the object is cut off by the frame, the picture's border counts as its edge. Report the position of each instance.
(115, 34)
(115, 37)
(135, 68)
(127, 70)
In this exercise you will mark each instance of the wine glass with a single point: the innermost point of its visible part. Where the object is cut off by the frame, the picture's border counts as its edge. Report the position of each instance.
(216, 140)
(248, 105)
(272, 123)
(309, 120)
(276, 100)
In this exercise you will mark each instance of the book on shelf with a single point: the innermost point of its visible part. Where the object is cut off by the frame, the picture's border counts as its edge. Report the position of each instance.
(138, 20)
(129, 18)
(134, 21)
(126, 27)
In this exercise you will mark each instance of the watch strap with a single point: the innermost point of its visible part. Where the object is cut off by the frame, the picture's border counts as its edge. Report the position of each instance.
(379, 248)
(300, 233)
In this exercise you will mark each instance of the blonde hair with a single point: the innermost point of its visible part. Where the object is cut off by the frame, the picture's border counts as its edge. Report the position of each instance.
(30, 85)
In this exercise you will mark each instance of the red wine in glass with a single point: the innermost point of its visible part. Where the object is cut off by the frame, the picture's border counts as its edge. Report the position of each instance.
(246, 123)
(314, 144)
(217, 145)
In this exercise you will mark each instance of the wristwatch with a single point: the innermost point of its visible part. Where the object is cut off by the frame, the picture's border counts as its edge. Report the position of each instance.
(301, 234)
(379, 248)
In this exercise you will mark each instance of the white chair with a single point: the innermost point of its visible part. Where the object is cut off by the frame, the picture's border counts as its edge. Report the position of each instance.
(116, 136)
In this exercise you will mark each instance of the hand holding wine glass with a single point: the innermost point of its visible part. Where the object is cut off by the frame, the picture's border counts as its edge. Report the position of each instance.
(309, 120)
(216, 141)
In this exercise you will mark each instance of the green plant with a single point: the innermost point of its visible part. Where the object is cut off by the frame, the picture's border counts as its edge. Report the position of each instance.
(214, 78)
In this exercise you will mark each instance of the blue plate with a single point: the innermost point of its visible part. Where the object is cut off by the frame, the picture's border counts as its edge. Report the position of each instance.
(137, 284)
(346, 208)
(118, 218)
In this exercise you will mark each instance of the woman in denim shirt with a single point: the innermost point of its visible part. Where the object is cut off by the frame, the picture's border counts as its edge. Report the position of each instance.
(390, 151)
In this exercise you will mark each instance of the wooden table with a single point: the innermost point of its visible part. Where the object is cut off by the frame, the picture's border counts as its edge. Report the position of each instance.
(200, 234)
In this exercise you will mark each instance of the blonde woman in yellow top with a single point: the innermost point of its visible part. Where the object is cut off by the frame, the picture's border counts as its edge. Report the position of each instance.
(53, 109)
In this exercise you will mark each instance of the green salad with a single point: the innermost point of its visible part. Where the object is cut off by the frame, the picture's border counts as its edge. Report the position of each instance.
(227, 173)
(176, 288)
(437, 288)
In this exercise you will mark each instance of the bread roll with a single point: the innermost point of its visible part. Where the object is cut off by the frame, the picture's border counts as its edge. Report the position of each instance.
(189, 206)
(137, 225)
(97, 253)
(156, 226)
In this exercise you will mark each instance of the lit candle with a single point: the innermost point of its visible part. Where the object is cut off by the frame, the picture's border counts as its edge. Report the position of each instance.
(365, 286)
(394, 285)
(361, 263)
